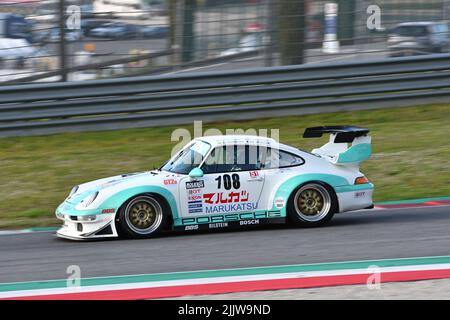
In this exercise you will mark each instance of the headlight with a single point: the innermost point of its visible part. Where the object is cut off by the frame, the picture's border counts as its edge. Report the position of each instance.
(89, 199)
(72, 192)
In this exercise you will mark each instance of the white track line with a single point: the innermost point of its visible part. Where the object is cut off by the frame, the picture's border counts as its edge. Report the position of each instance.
(170, 283)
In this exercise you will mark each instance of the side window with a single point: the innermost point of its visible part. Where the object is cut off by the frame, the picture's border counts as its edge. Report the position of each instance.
(234, 158)
(281, 159)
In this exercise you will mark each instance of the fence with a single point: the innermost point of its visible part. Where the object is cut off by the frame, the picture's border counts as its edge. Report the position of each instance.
(199, 29)
(254, 93)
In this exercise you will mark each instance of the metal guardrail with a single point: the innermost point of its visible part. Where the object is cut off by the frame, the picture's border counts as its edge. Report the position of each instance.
(253, 93)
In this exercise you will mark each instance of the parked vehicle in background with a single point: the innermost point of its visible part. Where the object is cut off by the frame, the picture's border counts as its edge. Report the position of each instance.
(47, 10)
(14, 26)
(252, 38)
(87, 25)
(14, 53)
(158, 7)
(152, 32)
(69, 34)
(416, 38)
(115, 30)
(15, 40)
(137, 9)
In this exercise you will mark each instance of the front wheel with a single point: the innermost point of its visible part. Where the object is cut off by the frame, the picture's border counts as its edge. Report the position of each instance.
(312, 205)
(142, 217)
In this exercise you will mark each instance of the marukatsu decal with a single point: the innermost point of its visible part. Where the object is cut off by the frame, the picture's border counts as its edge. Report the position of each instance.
(195, 184)
(223, 197)
(279, 202)
(170, 182)
(235, 207)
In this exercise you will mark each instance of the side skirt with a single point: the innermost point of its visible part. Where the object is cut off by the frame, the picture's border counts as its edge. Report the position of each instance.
(230, 224)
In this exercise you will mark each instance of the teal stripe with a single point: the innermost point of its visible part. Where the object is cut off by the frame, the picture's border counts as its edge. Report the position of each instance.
(354, 187)
(225, 273)
(41, 229)
(413, 201)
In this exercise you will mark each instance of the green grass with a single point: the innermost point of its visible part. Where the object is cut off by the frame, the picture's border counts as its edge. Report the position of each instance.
(410, 145)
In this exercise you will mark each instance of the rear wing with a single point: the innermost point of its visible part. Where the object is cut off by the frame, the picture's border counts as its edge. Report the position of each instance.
(337, 150)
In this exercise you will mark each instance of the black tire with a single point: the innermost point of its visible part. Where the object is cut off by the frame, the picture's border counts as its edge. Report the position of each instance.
(308, 198)
(143, 216)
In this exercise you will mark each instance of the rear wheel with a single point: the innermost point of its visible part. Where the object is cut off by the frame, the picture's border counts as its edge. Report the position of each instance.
(312, 205)
(142, 217)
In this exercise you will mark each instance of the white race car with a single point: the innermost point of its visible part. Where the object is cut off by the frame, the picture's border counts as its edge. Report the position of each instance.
(225, 181)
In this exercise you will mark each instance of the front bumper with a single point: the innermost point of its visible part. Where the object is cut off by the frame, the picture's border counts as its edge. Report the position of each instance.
(76, 229)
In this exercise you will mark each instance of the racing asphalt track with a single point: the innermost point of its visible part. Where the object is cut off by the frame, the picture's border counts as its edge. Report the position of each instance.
(363, 235)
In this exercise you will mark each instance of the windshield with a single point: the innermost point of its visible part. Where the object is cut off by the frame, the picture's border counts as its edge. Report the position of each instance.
(188, 158)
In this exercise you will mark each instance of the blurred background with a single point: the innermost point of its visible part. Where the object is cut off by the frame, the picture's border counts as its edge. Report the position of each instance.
(60, 40)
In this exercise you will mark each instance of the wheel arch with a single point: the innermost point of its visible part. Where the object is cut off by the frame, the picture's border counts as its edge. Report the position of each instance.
(118, 199)
(323, 183)
(287, 188)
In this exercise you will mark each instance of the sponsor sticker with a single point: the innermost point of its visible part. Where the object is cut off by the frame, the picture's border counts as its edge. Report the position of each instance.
(108, 210)
(195, 206)
(233, 207)
(254, 174)
(279, 202)
(170, 182)
(224, 197)
(195, 184)
(360, 194)
(249, 222)
(218, 225)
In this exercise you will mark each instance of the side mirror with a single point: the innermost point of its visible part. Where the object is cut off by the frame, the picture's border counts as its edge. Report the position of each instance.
(196, 173)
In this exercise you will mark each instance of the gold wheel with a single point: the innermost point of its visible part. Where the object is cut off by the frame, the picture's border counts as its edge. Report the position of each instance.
(143, 215)
(312, 202)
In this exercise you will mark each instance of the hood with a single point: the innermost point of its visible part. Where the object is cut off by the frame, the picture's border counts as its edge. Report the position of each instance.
(111, 185)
